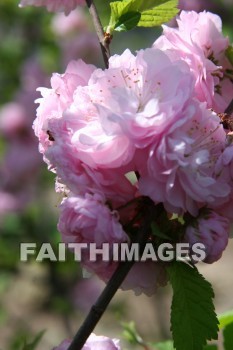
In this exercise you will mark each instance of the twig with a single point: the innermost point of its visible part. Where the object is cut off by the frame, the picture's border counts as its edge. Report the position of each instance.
(100, 306)
(103, 40)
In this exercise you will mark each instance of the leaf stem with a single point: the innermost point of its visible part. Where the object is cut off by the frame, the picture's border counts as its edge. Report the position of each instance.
(103, 40)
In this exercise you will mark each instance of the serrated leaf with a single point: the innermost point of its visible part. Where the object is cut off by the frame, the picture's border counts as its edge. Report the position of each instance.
(158, 15)
(229, 54)
(228, 337)
(225, 319)
(193, 317)
(127, 21)
(152, 12)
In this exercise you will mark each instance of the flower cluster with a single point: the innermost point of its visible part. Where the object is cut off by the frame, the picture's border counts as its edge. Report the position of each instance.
(199, 42)
(146, 127)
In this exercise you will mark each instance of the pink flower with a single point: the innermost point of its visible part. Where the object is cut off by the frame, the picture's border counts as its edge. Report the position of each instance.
(54, 5)
(181, 165)
(200, 43)
(54, 101)
(212, 230)
(94, 342)
(144, 94)
(80, 178)
(88, 220)
(124, 106)
(90, 129)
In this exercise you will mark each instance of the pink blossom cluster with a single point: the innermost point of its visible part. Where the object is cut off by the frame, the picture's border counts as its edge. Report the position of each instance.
(54, 5)
(199, 42)
(146, 126)
(94, 342)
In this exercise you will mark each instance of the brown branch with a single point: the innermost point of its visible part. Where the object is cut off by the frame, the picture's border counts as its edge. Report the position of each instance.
(103, 39)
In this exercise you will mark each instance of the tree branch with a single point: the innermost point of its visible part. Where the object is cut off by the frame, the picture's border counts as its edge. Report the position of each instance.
(103, 40)
(100, 306)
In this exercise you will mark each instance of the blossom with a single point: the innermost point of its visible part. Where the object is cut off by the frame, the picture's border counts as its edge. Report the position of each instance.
(55, 125)
(143, 94)
(55, 100)
(94, 342)
(88, 220)
(212, 230)
(181, 165)
(141, 116)
(54, 5)
(92, 121)
(82, 178)
(199, 41)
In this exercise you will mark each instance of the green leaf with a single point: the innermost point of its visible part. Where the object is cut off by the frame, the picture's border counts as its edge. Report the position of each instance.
(225, 319)
(229, 54)
(159, 14)
(228, 337)
(125, 14)
(193, 318)
(118, 9)
(128, 21)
